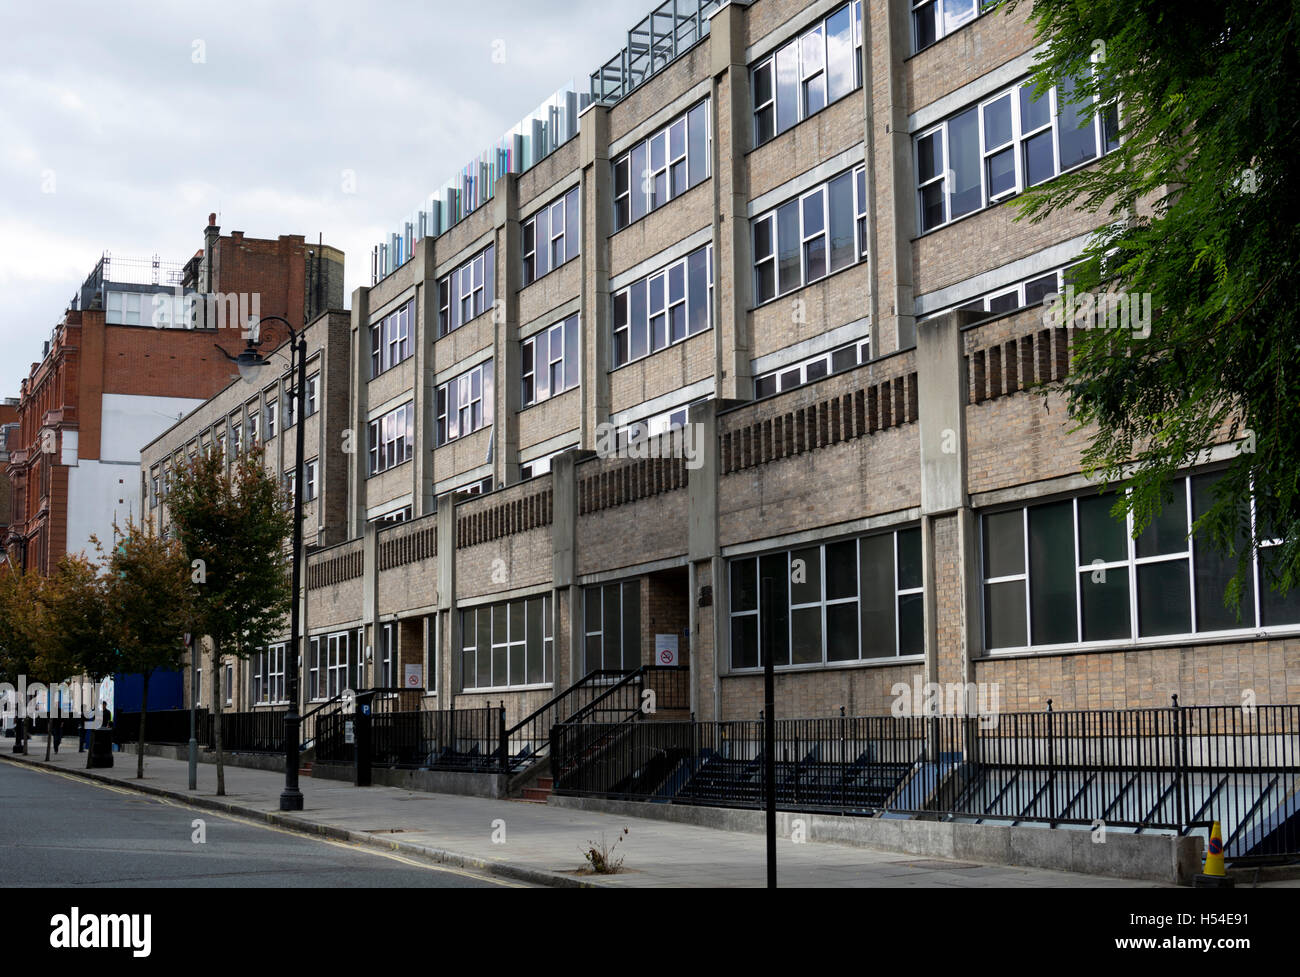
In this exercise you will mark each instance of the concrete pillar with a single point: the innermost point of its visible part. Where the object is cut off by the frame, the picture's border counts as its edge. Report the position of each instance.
(423, 262)
(358, 397)
(564, 570)
(733, 347)
(505, 323)
(449, 680)
(597, 221)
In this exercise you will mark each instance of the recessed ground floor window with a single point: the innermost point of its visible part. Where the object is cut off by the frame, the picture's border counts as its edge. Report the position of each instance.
(844, 601)
(507, 644)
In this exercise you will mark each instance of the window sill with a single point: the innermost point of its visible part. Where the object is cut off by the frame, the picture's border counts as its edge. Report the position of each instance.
(856, 90)
(552, 271)
(1147, 644)
(493, 690)
(384, 373)
(450, 332)
(757, 672)
(816, 281)
(387, 470)
(647, 356)
(663, 206)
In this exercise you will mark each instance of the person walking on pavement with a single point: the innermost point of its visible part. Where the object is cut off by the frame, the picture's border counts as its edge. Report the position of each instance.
(105, 715)
(56, 732)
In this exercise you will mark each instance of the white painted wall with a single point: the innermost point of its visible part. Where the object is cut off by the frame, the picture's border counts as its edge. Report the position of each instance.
(100, 492)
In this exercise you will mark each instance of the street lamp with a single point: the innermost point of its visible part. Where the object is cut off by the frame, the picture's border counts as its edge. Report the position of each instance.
(249, 362)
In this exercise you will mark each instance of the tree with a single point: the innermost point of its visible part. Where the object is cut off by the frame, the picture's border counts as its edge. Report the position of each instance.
(20, 610)
(233, 528)
(1204, 201)
(150, 596)
(71, 625)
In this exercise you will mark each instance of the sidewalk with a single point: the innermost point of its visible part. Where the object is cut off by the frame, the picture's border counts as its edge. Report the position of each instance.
(541, 842)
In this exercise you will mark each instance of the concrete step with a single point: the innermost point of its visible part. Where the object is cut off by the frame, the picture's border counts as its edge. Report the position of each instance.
(536, 794)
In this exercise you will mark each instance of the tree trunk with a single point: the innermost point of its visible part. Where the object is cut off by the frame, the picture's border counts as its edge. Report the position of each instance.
(216, 719)
(144, 712)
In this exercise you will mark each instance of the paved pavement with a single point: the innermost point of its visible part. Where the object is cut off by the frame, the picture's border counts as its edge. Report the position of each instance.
(540, 843)
(65, 831)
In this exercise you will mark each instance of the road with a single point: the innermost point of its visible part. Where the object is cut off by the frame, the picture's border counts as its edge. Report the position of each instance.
(57, 830)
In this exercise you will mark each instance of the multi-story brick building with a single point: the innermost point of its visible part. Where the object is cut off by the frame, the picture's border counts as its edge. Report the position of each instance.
(134, 352)
(762, 310)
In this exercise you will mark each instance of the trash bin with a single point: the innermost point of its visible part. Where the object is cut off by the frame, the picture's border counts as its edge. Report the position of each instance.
(101, 748)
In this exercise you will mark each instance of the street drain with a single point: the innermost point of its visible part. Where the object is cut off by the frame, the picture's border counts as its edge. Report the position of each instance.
(384, 831)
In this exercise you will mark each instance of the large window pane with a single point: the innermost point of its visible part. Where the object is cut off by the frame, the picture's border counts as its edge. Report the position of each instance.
(744, 641)
(1274, 608)
(911, 624)
(613, 656)
(841, 76)
(1101, 535)
(842, 632)
(843, 249)
(788, 240)
(1078, 137)
(1164, 598)
(1040, 164)
(1051, 573)
(631, 624)
(877, 595)
(484, 641)
(1004, 544)
(1105, 604)
(909, 559)
(1004, 615)
(697, 122)
(841, 570)
(1167, 532)
(533, 638)
(787, 86)
(1213, 570)
(806, 628)
(638, 320)
(744, 585)
(967, 192)
(805, 576)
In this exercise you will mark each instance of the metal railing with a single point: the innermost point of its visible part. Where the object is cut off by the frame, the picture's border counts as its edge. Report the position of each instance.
(428, 739)
(241, 732)
(163, 726)
(1173, 770)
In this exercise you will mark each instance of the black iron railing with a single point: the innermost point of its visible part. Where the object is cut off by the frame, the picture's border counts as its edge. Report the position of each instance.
(163, 726)
(260, 731)
(1175, 769)
(429, 739)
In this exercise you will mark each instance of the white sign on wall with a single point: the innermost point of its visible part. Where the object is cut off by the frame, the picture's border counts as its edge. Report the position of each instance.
(665, 649)
(414, 677)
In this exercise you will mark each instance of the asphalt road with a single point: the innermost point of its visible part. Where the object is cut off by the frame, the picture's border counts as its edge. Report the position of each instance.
(58, 830)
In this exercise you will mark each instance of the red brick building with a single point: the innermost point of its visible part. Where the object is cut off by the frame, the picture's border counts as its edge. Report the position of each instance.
(135, 352)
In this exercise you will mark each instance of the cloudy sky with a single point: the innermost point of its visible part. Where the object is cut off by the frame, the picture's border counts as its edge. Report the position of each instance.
(123, 125)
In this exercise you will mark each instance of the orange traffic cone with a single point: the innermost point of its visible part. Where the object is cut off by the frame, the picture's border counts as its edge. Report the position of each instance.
(1214, 876)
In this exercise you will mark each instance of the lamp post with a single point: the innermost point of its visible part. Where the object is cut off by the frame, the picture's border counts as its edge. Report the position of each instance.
(249, 362)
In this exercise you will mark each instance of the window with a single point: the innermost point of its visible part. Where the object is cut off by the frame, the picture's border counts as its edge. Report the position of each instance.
(464, 404)
(802, 77)
(467, 292)
(662, 167)
(850, 600)
(664, 308)
(254, 429)
(237, 437)
(613, 626)
(334, 663)
(313, 388)
(391, 439)
(814, 368)
(550, 361)
(479, 487)
(933, 19)
(507, 644)
(431, 637)
(123, 309)
(267, 675)
(1067, 572)
(272, 414)
(1030, 292)
(397, 515)
(996, 149)
(309, 480)
(810, 237)
(386, 677)
(390, 340)
(551, 237)
(229, 683)
(153, 491)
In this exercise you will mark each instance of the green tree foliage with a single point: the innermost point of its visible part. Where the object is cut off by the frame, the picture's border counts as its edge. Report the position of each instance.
(233, 527)
(1201, 199)
(150, 595)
